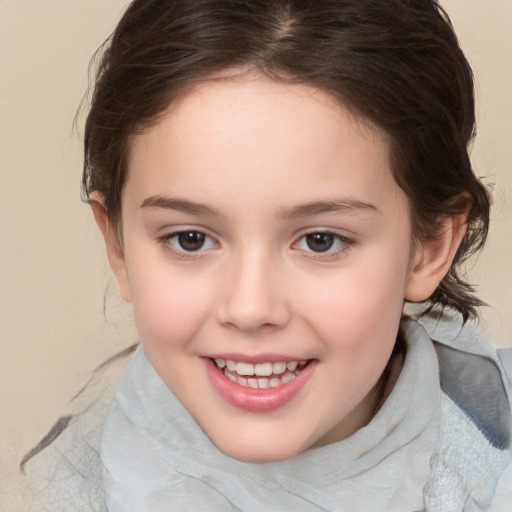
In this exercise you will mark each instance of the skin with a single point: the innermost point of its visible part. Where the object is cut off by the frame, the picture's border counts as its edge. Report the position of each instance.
(255, 165)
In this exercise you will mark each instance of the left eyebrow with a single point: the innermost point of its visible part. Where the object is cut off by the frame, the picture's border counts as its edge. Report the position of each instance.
(318, 207)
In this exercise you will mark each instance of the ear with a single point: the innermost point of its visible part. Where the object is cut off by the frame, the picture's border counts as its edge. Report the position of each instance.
(433, 259)
(115, 251)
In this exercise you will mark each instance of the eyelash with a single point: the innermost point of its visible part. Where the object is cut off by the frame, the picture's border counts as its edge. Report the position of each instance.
(171, 242)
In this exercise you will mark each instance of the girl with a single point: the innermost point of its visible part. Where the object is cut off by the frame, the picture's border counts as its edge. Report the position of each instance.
(274, 180)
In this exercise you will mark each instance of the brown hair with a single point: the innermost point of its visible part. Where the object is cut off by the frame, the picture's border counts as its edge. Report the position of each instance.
(397, 63)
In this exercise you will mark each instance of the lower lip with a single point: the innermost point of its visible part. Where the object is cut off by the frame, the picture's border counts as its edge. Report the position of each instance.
(257, 400)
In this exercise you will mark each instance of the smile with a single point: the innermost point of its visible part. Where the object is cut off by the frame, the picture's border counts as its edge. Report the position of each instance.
(259, 387)
(260, 375)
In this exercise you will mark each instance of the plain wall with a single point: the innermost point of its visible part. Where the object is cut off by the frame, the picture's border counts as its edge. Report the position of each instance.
(53, 271)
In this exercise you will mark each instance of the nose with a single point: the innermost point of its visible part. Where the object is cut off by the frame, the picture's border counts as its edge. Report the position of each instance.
(254, 295)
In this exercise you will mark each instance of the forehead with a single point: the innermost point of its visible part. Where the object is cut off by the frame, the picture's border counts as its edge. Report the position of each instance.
(242, 101)
(284, 141)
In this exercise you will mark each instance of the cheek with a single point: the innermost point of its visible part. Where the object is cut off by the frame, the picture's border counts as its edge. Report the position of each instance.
(169, 307)
(359, 309)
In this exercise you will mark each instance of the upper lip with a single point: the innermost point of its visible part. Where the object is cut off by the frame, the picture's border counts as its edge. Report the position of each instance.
(257, 358)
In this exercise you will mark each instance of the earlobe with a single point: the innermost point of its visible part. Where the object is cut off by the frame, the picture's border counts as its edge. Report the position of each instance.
(433, 259)
(115, 251)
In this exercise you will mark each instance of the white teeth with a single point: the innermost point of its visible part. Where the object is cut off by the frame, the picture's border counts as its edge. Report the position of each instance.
(287, 378)
(292, 365)
(244, 369)
(259, 369)
(263, 383)
(274, 382)
(253, 383)
(263, 369)
(279, 367)
(255, 375)
(260, 382)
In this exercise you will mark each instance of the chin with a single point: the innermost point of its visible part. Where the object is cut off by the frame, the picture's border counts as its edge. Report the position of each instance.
(257, 453)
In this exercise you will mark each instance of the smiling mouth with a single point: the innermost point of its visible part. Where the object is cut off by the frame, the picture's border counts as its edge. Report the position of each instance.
(261, 375)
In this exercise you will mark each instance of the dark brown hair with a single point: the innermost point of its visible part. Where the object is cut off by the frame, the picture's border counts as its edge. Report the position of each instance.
(396, 63)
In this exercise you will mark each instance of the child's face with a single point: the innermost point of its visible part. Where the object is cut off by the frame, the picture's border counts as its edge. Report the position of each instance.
(262, 226)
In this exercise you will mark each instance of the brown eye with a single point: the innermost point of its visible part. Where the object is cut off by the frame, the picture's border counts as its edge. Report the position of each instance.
(191, 240)
(320, 242)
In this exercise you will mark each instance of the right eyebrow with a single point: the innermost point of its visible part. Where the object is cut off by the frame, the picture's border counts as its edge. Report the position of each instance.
(181, 205)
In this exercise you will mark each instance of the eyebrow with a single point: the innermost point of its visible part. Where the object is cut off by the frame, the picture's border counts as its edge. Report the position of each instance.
(319, 207)
(181, 205)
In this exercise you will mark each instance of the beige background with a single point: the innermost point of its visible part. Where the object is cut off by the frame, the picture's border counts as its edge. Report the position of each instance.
(53, 273)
